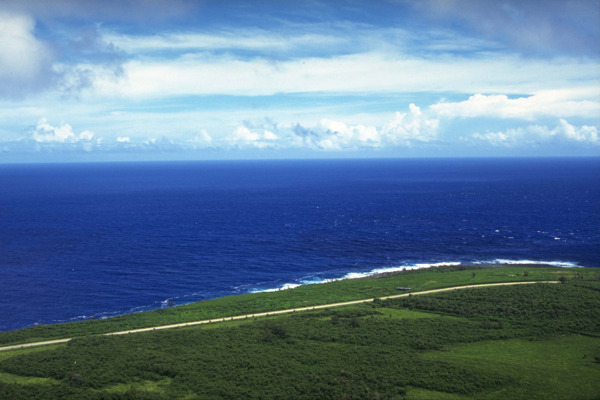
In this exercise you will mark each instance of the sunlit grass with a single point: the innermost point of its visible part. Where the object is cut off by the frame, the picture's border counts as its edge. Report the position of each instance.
(560, 367)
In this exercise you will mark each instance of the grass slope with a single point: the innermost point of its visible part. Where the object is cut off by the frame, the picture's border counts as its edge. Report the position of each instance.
(339, 291)
(558, 367)
(522, 342)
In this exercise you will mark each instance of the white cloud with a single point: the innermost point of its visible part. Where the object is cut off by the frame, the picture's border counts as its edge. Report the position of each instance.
(534, 135)
(25, 62)
(585, 133)
(335, 135)
(204, 74)
(414, 126)
(353, 135)
(268, 135)
(557, 103)
(404, 129)
(46, 133)
(244, 137)
(244, 134)
(368, 134)
(334, 57)
(510, 138)
(30, 65)
(200, 140)
(86, 135)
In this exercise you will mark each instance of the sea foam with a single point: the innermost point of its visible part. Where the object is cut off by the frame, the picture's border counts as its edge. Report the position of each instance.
(562, 264)
(377, 271)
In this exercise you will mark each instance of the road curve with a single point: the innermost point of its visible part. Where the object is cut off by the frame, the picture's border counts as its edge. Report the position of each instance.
(264, 314)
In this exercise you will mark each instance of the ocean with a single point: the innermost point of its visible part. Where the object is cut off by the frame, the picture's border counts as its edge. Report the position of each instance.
(95, 240)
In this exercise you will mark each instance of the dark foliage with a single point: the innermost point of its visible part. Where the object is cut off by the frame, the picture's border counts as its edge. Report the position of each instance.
(357, 352)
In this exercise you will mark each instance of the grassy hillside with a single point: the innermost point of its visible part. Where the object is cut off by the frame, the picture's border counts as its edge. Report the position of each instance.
(309, 295)
(520, 342)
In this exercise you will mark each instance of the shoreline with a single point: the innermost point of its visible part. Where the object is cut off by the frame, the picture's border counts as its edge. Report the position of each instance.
(304, 281)
(342, 290)
(451, 327)
(385, 271)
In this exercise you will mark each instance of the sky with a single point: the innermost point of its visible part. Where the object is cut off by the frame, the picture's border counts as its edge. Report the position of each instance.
(114, 80)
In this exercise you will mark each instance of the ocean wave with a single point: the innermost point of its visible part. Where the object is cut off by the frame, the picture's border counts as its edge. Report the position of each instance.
(357, 275)
(562, 264)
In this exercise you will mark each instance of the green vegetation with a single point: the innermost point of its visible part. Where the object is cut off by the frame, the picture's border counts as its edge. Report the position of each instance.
(303, 296)
(538, 341)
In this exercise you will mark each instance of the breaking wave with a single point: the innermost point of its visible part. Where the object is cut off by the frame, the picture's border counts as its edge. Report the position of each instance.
(377, 271)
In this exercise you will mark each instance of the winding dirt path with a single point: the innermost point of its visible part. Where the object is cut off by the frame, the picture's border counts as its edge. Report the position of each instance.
(264, 314)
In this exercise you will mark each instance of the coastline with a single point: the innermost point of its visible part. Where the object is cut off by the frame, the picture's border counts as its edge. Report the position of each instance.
(384, 271)
(463, 334)
(339, 222)
(309, 280)
(342, 290)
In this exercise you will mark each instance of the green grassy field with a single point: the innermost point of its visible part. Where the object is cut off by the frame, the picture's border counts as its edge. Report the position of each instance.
(559, 367)
(518, 342)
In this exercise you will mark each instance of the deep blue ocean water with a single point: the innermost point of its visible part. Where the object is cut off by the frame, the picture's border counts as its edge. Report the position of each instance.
(94, 240)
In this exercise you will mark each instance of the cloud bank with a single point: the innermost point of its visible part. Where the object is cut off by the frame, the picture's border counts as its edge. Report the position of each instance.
(535, 135)
(558, 103)
(295, 79)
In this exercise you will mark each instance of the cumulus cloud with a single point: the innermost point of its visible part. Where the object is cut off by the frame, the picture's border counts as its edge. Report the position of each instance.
(259, 136)
(244, 134)
(534, 135)
(404, 129)
(47, 138)
(337, 135)
(46, 133)
(557, 103)
(200, 140)
(414, 126)
(584, 134)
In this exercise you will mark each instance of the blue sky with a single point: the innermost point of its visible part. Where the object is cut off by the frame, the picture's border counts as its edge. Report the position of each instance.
(167, 80)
